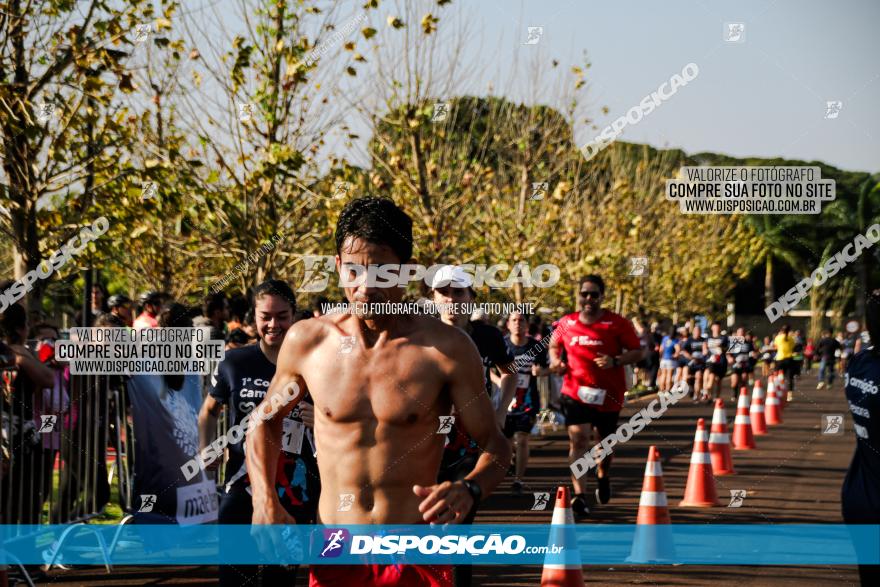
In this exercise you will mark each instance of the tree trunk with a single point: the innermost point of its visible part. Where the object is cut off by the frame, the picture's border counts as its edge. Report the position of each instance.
(769, 293)
(862, 293)
(816, 315)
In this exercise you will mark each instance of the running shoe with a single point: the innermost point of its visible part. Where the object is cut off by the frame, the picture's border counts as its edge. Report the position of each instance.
(603, 491)
(821, 385)
(579, 507)
(516, 488)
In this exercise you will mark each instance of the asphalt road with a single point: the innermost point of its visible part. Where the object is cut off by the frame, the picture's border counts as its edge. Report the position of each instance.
(793, 477)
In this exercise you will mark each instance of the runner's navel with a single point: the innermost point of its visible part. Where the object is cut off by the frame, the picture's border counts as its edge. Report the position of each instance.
(367, 499)
(412, 418)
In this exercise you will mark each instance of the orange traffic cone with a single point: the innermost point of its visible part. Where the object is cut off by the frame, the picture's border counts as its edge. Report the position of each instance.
(782, 390)
(719, 442)
(743, 438)
(756, 412)
(565, 570)
(773, 413)
(653, 508)
(758, 385)
(653, 538)
(700, 489)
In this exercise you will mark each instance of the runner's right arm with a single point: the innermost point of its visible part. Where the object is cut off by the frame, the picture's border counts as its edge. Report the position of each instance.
(447, 502)
(556, 363)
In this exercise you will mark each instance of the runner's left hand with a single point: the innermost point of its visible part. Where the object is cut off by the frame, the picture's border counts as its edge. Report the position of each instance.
(445, 502)
(603, 361)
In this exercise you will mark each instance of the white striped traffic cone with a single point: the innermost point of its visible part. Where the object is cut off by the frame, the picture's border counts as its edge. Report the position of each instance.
(756, 412)
(743, 438)
(782, 391)
(566, 569)
(700, 489)
(719, 442)
(653, 538)
(773, 411)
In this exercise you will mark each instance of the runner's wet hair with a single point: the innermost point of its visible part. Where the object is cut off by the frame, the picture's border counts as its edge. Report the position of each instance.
(872, 319)
(378, 221)
(276, 287)
(596, 279)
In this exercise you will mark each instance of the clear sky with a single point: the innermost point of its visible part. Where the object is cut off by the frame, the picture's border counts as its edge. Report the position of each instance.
(765, 96)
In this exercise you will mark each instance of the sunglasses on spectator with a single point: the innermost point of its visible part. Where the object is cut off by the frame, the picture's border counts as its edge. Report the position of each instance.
(595, 294)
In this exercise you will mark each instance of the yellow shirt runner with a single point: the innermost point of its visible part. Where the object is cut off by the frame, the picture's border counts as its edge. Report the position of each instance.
(784, 346)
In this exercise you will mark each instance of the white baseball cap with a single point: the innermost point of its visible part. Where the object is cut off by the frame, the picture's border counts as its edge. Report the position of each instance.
(451, 275)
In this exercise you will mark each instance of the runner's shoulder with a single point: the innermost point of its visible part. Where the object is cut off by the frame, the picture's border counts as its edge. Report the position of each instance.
(308, 334)
(449, 340)
(617, 321)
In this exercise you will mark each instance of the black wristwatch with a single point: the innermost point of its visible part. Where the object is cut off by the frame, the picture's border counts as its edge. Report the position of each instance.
(474, 489)
(614, 362)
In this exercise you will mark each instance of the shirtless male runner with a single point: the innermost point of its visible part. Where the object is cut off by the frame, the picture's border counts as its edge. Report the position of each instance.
(380, 384)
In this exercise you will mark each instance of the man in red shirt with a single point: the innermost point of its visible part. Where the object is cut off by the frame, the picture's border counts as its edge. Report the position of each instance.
(597, 344)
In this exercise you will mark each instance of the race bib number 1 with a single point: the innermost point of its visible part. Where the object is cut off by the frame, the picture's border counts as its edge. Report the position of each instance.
(292, 438)
(591, 395)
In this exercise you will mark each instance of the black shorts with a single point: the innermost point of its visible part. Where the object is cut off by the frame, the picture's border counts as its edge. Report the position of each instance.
(695, 366)
(577, 412)
(518, 422)
(718, 369)
(740, 368)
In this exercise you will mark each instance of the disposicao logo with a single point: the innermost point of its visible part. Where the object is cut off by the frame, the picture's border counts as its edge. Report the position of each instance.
(334, 542)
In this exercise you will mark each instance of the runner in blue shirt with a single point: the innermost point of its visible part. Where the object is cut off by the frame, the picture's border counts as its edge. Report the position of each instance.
(860, 496)
(667, 363)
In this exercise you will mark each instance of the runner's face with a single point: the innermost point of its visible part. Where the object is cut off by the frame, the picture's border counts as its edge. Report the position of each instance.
(356, 251)
(590, 297)
(274, 317)
(449, 298)
(516, 324)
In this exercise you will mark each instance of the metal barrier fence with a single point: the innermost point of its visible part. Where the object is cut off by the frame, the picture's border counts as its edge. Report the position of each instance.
(55, 449)
(65, 453)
